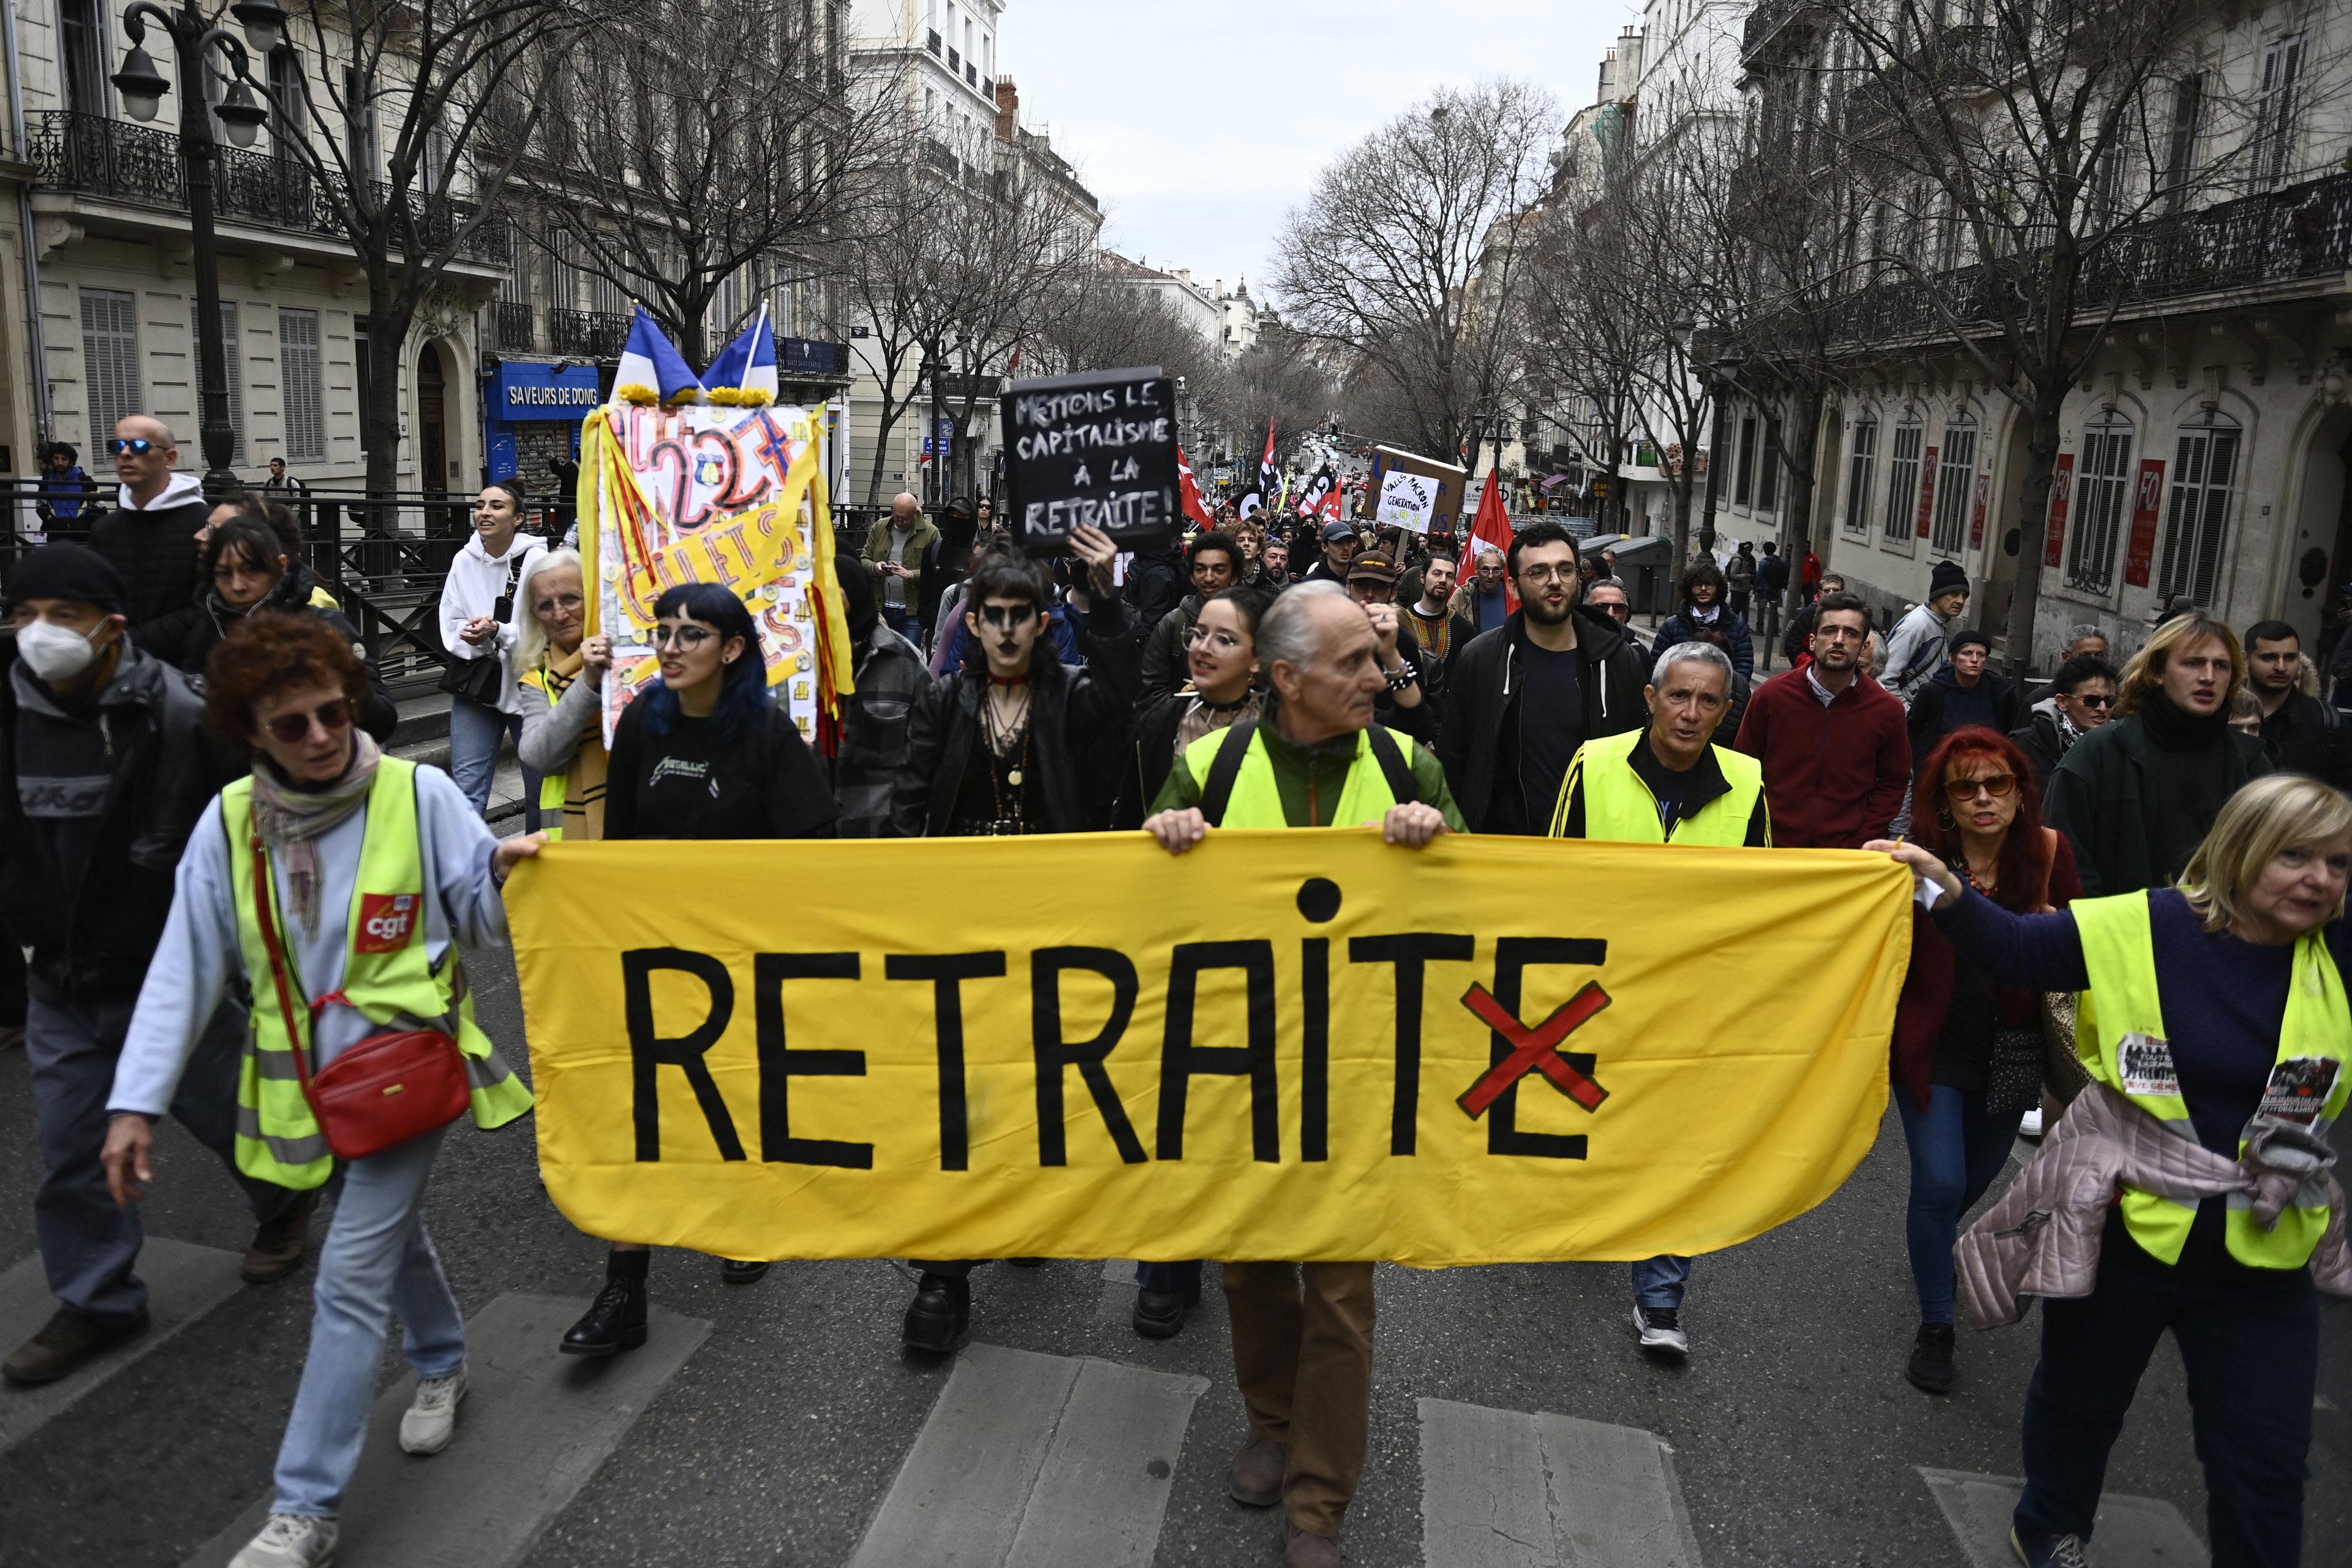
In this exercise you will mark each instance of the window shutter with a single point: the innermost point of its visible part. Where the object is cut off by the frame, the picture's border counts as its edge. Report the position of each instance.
(298, 374)
(109, 360)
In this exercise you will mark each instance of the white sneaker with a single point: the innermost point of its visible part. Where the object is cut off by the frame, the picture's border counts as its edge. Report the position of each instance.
(1660, 1328)
(2031, 1126)
(289, 1541)
(431, 1419)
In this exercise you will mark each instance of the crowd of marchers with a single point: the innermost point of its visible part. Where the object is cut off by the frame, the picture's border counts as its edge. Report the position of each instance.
(225, 888)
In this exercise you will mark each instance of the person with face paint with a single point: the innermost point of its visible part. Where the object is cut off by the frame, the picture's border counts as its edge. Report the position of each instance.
(479, 606)
(105, 766)
(1002, 747)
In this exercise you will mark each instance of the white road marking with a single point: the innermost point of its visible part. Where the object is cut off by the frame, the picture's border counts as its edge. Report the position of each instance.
(2129, 1532)
(1504, 1488)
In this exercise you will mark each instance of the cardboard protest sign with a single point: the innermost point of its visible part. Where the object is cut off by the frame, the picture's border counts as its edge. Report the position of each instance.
(1289, 1045)
(1095, 449)
(1448, 482)
(708, 493)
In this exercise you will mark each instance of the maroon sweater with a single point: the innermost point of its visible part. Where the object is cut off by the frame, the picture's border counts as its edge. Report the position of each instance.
(1835, 774)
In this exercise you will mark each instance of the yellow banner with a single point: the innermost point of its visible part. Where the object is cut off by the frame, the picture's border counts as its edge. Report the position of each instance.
(1302, 1044)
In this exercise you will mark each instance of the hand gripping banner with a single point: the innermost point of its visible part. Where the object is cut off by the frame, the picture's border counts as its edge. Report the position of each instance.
(1302, 1044)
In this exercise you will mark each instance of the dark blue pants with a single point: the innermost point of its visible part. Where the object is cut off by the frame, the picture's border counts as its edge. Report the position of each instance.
(1956, 1152)
(2249, 1340)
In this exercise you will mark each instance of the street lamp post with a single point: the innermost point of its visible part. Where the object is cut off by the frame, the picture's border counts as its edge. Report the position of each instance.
(142, 88)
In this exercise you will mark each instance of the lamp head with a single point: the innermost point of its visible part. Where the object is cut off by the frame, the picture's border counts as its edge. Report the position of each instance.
(265, 24)
(143, 86)
(242, 116)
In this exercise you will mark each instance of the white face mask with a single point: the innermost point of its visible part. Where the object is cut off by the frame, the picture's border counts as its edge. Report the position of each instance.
(56, 653)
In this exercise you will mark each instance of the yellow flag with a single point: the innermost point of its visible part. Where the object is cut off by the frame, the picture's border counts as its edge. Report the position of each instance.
(1284, 1045)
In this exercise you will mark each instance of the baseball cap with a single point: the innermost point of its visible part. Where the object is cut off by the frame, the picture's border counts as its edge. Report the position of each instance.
(1335, 532)
(1373, 566)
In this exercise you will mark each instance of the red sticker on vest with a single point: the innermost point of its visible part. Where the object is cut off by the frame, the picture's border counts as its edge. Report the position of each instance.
(386, 921)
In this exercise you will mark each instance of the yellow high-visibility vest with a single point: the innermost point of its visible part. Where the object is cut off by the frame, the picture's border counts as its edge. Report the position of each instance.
(2121, 1037)
(1618, 805)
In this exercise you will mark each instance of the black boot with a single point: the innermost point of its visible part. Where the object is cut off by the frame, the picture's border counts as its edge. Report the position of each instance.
(1160, 1314)
(615, 1320)
(939, 1316)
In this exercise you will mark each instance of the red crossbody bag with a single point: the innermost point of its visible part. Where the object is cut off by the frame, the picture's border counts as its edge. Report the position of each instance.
(384, 1090)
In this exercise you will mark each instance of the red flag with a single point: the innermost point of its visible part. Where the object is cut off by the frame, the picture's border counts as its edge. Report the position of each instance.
(1493, 526)
(1330, 507)
(1195, 507)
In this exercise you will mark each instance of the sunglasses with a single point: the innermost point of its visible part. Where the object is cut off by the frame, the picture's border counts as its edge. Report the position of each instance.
(137, 446)
(1007, 617)
(2088, 700)
(2001, 786)
(334, 718)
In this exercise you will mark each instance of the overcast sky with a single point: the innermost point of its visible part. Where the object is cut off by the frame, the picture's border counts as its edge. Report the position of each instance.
(1199, 123)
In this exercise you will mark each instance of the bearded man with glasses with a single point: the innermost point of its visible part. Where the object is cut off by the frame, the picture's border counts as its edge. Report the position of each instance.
(1005, 746)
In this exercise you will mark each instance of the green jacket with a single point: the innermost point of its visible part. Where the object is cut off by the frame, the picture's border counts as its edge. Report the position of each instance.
(878, 550)
(1325, 765)
(2098, 798)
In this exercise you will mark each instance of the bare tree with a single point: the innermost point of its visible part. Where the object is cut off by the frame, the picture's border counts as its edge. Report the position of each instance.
(1406, 257)
(2024, 170)
(413, 114)
(703, 154)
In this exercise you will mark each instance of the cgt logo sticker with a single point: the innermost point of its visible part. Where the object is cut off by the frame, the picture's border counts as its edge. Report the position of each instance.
(387, 922)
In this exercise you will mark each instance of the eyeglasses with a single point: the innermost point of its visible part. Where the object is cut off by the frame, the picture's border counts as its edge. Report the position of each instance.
(682, 637)
(334, 718)
(559, 602)
(1007, 617)
(137, 446)
(2001, 786)
(1197, 635)
(2089, 699)
(1547, 573)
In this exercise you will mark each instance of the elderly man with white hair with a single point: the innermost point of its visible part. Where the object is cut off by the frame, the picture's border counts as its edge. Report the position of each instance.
(1313, 758)
(1668, 782)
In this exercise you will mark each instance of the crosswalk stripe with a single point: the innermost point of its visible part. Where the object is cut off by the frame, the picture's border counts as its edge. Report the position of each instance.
(2130, 1532)
(183, 1282)
(1504, 1488)
(534, 1427)
(1039, 1461)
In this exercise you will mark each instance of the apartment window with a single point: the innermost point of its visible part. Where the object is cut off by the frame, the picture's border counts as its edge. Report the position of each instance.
(1743, 481)
(289, 105)
(932, 41)
(2278, 111)
(297, 379)
(2180, 146)
(1903, 477)
(2107, 177)
(1956, 471)
(235, 379)
(1861, 461)
(109, 360)
(1768, 482)
(2102, 490)
(82, 28)
(2204, 464)
(362, 367)
(359, 119)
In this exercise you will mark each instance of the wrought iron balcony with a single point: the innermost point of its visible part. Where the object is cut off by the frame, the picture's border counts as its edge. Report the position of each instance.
(514, 327)
(1764, 24)
(114, 159)
(593, 334)
(2301, 231)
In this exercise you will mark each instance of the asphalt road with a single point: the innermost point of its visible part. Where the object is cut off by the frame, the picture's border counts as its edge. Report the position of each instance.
(1793, 1437)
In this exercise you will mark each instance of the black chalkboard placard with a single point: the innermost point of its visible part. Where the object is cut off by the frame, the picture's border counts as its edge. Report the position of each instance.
(1097, 448)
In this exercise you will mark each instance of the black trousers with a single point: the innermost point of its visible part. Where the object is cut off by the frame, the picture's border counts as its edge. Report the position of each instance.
(2249, 1338)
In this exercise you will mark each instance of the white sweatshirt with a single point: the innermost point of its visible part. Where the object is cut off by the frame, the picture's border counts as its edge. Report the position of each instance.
(476, 580)
(199, 948)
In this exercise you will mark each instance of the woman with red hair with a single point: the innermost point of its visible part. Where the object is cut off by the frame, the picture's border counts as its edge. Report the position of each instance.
(1968, 1054)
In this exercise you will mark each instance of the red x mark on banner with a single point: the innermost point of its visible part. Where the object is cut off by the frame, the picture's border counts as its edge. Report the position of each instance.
(1532, 1050)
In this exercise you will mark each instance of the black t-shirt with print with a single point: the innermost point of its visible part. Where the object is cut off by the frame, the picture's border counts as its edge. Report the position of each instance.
(767, 784)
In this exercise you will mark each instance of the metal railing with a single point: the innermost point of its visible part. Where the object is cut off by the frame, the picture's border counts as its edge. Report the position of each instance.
(514, 328)
(1765, 21)
(2300, 231)
(115, 160)
(597, 334)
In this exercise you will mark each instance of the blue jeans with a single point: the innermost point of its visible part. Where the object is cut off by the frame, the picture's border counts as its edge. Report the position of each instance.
(475, 732)
(2248, 1341)
(1658, 1281)
(90, 1244)
(377, 1260)
(1956, 1152)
